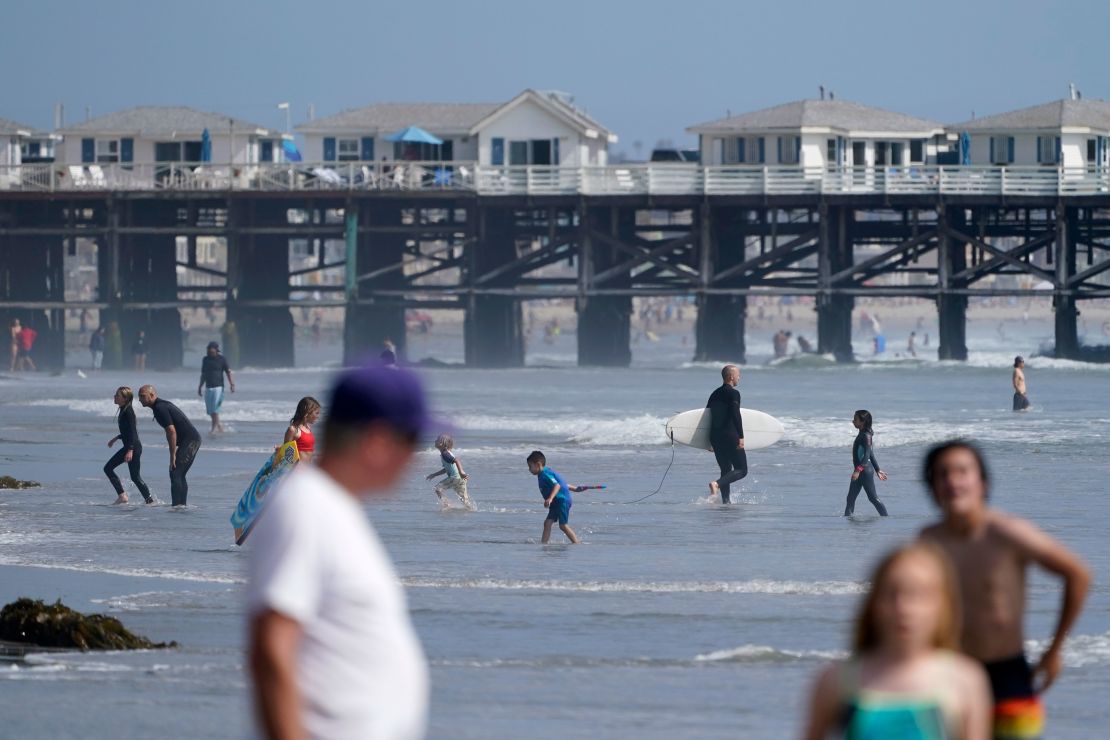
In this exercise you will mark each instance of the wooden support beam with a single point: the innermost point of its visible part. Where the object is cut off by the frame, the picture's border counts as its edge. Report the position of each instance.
(867, 264)
(1011, 257)
(668, 246)
(644, 254)
(783, 250)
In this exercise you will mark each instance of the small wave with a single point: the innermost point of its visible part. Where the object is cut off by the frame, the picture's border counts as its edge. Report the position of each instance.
(825, 433)
(255, 410)
(767, 654)
(755, 586)
(644, 429)
(1079, 651)
(174, 575)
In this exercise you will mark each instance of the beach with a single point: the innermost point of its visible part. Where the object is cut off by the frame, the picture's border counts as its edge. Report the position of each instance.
(673, 618)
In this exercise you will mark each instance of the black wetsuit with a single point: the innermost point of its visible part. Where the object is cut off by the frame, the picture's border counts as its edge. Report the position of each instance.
(188, 444)
(129, 435)
(726, 429)
(863, 459)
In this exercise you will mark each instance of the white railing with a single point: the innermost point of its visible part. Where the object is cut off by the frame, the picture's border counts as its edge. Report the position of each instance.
(614, 180)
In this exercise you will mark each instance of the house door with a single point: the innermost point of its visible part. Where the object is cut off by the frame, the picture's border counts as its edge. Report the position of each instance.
(541, 151)
(859, 153)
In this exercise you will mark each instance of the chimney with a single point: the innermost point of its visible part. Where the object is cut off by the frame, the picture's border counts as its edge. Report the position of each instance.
(822, 89)
(1072, 91)
(88, 112)
(312, 111)
(59, 115)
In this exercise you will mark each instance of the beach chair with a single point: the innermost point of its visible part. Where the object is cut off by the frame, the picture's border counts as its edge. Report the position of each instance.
(369, 180)
(398, 176)
(77, 175)
(624, 180)
(96, 173)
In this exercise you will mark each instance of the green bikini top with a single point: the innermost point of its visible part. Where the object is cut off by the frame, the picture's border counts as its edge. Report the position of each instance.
(881, 715)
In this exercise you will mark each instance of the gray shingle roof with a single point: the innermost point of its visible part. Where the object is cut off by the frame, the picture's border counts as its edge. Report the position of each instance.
(837, 114)
(8, 126)
(389, 117)
(1058, 114)
(147, 121)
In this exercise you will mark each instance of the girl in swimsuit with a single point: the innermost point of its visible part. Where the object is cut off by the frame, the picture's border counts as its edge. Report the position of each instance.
(866, 466)
(300, 428)
(905, 679)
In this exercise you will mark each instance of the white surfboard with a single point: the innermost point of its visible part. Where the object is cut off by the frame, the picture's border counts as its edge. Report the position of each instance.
(691, 428)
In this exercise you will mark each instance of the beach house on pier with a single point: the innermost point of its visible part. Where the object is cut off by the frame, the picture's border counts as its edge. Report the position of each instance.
(534, 128)
(819, 134)
(150, 142)
(13, 137)
(1072, 133)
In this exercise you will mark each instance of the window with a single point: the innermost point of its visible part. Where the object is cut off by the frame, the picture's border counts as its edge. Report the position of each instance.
(897, 153)
(534, 151)
(266, 150)
(1002, 150)
(348, 150)
(917, 151)
(107, 150)
(789, 149)
(831, 158)
(882, 149)
(1048, 149)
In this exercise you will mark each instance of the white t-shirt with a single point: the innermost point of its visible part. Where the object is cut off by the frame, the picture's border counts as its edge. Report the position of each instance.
(316, 559)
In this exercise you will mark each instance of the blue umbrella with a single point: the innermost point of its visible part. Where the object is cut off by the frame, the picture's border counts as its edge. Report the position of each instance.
(205, 146)
(965, 148)
(290, 151)
(414, 135)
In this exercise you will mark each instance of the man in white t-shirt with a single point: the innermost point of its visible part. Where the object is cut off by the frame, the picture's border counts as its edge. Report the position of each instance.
(333, 653)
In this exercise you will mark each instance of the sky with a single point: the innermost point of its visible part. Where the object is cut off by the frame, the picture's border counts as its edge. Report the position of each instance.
(646, 69)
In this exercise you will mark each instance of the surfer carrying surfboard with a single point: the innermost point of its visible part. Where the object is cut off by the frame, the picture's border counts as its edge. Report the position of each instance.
(726, 433)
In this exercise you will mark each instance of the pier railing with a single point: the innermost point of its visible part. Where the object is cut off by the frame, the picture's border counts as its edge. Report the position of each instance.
(536, 180)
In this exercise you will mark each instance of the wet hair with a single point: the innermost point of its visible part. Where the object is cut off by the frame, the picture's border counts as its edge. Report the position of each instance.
(933, 456)
(537, 457)
(727, 370)
(1018, 360)
(867, 633)
(864, 417)
(305, 407)
(446, 441)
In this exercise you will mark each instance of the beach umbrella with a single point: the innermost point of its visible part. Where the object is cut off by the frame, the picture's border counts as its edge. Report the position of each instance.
(965, 148)
(205, 146)
(289, 149)
(414, 135)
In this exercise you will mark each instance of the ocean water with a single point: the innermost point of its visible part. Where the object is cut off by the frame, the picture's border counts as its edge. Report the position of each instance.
(674, 618)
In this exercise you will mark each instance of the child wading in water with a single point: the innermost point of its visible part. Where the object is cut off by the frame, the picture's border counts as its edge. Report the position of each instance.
(905, 679)
(866, 466)
(452, 468)
(556, 496)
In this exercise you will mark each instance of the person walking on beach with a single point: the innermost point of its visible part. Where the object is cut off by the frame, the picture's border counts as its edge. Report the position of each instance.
(904, 679)
(96, 348)
(332, 649)
(991, 552)
(131, 451)
(556, 497)
(726, 433)
(453, 469)
(212, 370)
(1021, 401)
(866, 466)
(26, 360)
(182, 438)
(138, 350)
(300, 428)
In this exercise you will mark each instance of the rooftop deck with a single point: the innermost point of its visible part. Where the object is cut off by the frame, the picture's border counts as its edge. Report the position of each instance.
(618, 180)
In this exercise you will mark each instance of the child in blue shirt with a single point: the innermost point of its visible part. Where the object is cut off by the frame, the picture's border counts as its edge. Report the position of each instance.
(556, 496)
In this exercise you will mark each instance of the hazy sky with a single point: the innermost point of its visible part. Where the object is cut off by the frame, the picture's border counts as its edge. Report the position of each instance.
(647, 69)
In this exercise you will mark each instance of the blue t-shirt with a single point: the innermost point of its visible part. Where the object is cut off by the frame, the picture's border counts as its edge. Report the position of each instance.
(547, 479)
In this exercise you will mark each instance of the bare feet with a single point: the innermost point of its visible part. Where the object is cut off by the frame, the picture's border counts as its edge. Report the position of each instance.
(121, 499)
(714, 489)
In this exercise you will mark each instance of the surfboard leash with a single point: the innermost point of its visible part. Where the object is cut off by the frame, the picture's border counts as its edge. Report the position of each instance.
(661, 482)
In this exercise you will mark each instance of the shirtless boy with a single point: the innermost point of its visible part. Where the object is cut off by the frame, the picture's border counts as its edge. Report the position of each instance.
(1021, 401)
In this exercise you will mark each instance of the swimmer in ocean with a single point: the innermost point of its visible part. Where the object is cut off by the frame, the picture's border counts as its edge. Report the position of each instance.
(1021, 401)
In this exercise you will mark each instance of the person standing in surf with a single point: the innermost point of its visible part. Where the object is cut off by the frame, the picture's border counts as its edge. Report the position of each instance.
(1021, 401)
(866, 466)
(300, 428)
(992, 552)
(182, 438)
(131, 451)
(905, 678)
(212, 370)
(726, 433)
(556, 497)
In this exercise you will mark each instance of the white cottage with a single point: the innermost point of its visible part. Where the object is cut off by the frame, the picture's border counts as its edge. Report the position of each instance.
(1071, 132)
(163, 134)
(13, 136)
(819, 134)
(541, 128)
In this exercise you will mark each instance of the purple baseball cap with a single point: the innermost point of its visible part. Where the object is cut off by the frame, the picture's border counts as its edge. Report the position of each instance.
(371, 393)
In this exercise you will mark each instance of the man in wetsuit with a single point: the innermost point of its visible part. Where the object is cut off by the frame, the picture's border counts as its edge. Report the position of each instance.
(181, 436)
(212, 370)
(726, 433)
(991, 552)
(1021, 401)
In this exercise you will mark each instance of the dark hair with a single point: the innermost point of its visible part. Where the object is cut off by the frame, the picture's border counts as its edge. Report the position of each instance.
(932, 458)
(1018, 360)
(864, 417)
(537, 457)
(306, 406)
(388, 357)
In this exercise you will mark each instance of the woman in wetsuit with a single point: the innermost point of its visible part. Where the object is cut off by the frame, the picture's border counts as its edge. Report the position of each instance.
(131, 451)
(866, 466)
(300, 428)
(905, 678)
